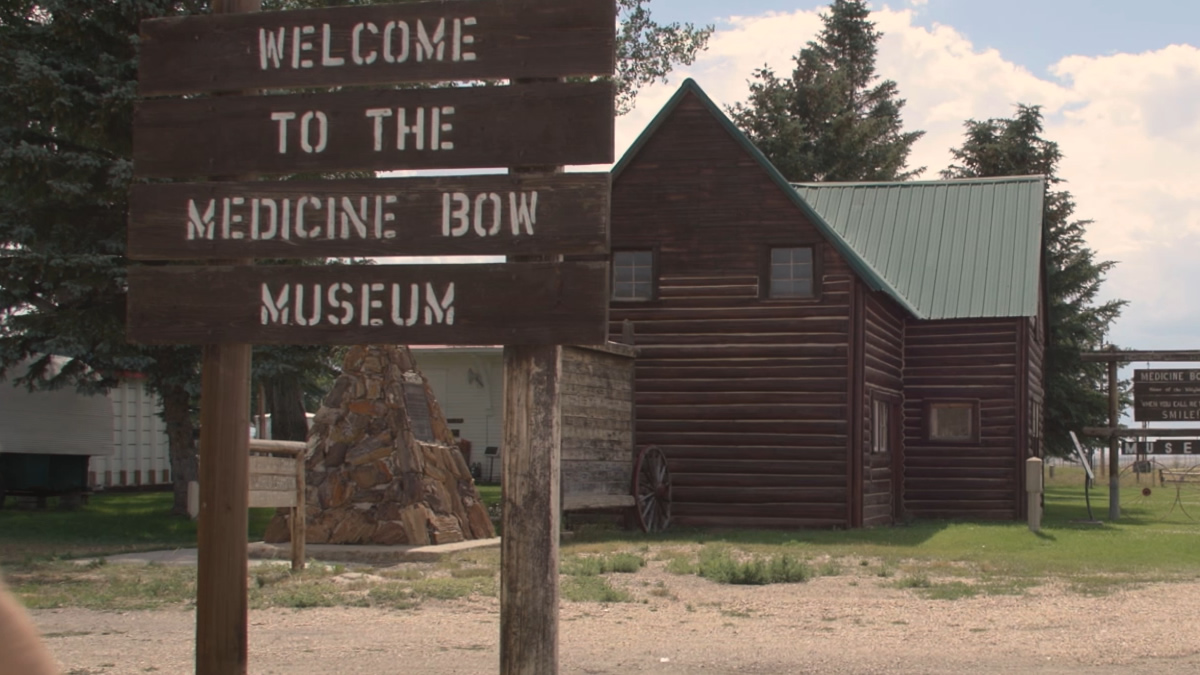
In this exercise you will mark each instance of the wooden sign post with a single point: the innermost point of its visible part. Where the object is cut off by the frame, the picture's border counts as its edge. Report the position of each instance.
(532, 306)
(1159, 395)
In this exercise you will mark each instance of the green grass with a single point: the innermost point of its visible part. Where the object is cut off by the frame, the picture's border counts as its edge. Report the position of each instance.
(490, 494)
(112, 522)
(723, 565)
(593, 565)
(592, 589)
(1142, 546)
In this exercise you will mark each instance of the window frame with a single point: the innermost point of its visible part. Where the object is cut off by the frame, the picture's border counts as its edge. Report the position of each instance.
(971, 404)
(612, 277)
(765, 279)
(890, 403)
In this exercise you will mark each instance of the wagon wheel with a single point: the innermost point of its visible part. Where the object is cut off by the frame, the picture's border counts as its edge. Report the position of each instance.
(652, 490)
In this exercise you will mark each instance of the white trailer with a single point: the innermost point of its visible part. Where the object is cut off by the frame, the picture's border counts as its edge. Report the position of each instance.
(47, 438)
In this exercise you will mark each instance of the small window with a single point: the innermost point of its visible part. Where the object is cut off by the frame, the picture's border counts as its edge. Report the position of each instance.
(792, 272)
(633, 275)
(954, 421)
(881, 430)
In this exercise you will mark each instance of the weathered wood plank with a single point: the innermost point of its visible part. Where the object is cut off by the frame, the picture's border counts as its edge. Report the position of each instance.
(747, 412)
(691, 461)
(460, 215)
(271, 499)
(758, 478)
(576, 450)
(527, 303)
(600, 477)
(733, 426)
(748, 384)
(380, 130)
(702, 398)
(750, 522)
(815, 510)
(597, 502)
(277, 466)
(531, 470)
(385, 44)
(745, 443)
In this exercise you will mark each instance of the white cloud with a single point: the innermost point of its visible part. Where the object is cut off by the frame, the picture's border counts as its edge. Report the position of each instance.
(1128, 126)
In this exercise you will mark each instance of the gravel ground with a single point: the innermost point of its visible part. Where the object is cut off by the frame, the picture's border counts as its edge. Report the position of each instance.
(852, 623)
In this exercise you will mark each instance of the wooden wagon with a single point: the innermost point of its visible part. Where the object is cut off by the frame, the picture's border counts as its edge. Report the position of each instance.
(603, 469)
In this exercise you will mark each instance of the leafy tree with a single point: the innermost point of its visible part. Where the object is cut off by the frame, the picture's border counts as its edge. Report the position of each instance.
(1074, 390)
(647, 51)
(833, 120)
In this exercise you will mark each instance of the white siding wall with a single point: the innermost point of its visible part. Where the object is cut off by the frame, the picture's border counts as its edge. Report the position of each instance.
(59, 422)
(139, 438)
(469, 385)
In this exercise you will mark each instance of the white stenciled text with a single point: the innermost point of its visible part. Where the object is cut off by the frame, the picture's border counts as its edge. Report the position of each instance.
(371, 304)
(448, 39)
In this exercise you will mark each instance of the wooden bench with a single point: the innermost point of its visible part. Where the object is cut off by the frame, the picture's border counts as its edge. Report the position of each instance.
(277, 481)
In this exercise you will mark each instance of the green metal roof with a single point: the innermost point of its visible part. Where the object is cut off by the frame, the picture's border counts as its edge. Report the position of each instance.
(952, 249)
(941, 249)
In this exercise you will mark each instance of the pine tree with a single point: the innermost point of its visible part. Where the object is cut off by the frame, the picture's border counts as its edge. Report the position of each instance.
(1075, 395)
(833, 120)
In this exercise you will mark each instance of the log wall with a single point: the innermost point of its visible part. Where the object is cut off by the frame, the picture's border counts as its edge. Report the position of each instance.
(747, 397)
(883, 370)
(968, 359)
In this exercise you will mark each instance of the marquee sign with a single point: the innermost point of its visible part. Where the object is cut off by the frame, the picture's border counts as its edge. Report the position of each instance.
(1166, 395)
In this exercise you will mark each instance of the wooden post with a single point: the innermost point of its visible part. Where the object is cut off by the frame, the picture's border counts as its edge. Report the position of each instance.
(1033, 490)
(1114, 456)
(300, 513)
(224, 499)
(530, 467)
(222, 531)
(531, 497)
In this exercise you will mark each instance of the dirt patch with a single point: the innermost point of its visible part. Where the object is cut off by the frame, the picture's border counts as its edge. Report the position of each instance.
(855, 622)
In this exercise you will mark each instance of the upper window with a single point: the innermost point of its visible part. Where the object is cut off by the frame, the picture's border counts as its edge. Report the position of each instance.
(954, 421)
(633, 275)
(792, 272)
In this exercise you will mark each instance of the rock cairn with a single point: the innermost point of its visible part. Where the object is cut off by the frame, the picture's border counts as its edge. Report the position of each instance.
(383, 467)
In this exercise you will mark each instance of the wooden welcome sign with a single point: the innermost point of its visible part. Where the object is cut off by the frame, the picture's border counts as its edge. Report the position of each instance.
(228, 306)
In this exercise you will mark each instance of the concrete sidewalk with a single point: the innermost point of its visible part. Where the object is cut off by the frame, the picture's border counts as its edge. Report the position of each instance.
(264, 553)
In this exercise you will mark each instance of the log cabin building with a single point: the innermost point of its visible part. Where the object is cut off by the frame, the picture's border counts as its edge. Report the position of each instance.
(826, 355)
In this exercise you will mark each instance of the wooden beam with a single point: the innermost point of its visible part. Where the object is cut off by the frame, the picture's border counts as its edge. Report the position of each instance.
(222, 529)
(1128, 356)
(1114, 455)
(221, 602)
(1106, 432)
(530, 469)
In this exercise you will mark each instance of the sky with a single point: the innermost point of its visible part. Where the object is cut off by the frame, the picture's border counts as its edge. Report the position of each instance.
(1119, 83)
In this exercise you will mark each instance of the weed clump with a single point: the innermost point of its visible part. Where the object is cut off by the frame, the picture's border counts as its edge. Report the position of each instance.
(721, 566)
